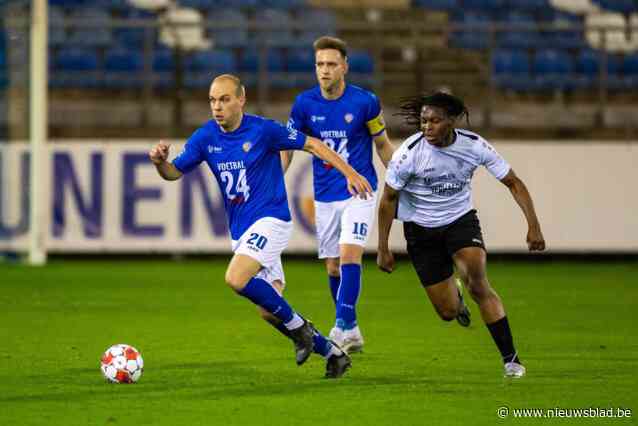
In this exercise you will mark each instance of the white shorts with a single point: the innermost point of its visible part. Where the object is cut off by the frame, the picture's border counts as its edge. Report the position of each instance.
(264, 241)
(343, 222)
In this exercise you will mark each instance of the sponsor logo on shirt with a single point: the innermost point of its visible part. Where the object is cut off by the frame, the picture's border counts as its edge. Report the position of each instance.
(212, 149)
(316, 118)
(292, 134)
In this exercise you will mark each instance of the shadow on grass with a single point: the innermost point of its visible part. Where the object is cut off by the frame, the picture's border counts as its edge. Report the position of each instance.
(210, 381)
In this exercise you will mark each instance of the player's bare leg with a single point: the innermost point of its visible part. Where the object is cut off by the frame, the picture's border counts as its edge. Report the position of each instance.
(444, 296)
(334, 275)
(346, 332)
(470, 263)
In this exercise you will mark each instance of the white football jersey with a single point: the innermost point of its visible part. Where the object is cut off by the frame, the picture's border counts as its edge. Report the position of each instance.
(435, 183)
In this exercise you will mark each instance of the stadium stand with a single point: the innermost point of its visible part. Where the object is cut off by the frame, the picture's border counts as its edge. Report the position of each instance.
(237, 36)
(523, 47)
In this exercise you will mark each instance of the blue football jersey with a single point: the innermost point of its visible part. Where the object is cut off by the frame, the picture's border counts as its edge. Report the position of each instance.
(247, 167)
(347, 125)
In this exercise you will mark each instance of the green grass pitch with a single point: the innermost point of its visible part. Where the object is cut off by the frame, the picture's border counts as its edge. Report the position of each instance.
(209, 359)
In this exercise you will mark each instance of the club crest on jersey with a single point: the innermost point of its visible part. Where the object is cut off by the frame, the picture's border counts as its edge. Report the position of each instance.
(246, 146)
(348, 117)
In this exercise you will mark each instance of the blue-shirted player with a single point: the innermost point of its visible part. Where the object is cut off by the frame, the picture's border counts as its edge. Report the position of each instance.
(243, 152)
(349, 120)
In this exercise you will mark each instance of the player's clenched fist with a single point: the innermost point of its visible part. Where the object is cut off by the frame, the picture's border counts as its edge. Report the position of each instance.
(159, 153)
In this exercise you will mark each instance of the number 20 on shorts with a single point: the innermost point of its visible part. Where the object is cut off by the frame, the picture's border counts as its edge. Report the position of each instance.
(257, 240)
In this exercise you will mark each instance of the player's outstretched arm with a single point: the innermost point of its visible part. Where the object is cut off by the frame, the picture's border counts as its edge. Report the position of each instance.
(159, 156)
(357, 184)
(387, 207)
(535, 239)
(385, 149)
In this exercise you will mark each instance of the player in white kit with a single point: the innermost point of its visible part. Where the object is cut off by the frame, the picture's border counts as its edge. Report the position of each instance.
(429, 178)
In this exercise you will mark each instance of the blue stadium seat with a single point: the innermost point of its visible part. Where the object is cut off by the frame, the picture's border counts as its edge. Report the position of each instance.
(200, 67)
(449, 5)
(520, 38)
(57, 31)
(134, 36)
(281, 34)
(630, 71)
(587, 69)
(361, 62)
(75, 67)
(123, 59)
(163, 59)
(66, 3)
(244, 4)
(283, 4)
(99, 31)
(163, 68)
(216, 61)
(114, 6)
(275, 64)
(232, 37)
(511, 70)
(250, 60)
(361, 68)
(568, 35)
(553, 70)
(123, 68)
(620, 6)
(473, 39)
(4, 81)
(301, 63)
(197, 4)
(484, 6)
(319, 22)
(529, 5)
(301, 60)
(76, 59)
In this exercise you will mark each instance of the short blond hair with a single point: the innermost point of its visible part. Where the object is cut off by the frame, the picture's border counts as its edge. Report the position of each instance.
(240, 90)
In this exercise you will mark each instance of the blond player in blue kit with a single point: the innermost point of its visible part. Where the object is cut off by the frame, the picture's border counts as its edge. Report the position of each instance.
(243, 152)
(349, 120)
(427, 186)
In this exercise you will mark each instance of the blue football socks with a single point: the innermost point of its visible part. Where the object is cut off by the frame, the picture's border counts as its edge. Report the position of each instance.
(261, 293)
(348, 295)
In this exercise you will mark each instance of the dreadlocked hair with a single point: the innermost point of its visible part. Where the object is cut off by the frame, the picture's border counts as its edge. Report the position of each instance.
(410, 108)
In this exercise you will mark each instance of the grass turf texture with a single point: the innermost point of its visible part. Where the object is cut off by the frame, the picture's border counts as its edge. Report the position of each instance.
(210, 360)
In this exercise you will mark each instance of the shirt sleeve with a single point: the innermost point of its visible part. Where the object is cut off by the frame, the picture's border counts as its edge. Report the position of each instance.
(493, 161)
(399, 170)
(296, 119)
(191, 154)
(374, 118)
(282, 138)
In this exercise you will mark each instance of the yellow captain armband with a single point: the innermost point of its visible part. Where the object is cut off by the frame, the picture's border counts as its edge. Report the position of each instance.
(376, 125)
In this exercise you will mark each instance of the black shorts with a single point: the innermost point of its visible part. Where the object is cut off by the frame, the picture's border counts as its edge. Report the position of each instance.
(431, 249)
